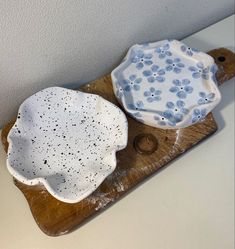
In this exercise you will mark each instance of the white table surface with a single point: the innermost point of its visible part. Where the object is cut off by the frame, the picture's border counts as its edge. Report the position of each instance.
(189, 205)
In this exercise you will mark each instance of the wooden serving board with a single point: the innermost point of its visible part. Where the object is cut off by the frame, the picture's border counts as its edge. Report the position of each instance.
(148, 150)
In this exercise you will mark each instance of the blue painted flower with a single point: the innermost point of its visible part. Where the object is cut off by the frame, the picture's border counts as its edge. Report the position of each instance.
(132, 83)
(174, 65)
(119, 91)
(189, 51)
(153, 94)
(214, 70)
(155, 74)
(205, 98)
(160, 120)
(199, 71)
(175, 112)
(137, 115)
(198, 115)
(139, 105)
(163, 51)
(181, 88)
(141, 59)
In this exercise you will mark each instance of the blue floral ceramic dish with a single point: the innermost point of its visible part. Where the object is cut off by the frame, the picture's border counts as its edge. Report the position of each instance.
(166, 84)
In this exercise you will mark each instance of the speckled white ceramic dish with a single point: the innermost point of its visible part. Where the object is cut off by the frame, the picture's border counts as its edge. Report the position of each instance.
(67, 141)
(166, 84)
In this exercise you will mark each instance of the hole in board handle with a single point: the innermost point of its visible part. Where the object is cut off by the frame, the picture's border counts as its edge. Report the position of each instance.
(221, 58)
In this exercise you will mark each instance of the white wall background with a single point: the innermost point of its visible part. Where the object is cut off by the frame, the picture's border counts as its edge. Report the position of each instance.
(70, 42)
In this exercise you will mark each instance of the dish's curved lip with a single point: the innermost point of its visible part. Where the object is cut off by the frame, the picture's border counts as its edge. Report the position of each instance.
(205, 58)
(43, 181)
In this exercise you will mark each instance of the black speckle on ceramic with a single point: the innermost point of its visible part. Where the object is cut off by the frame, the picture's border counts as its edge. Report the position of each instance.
(66, 140)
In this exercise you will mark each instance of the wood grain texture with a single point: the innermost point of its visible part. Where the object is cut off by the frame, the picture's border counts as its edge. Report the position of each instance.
(134, 165)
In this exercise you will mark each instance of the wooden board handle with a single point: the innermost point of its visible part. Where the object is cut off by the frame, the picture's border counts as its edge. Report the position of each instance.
(148, 150)
(225, 60)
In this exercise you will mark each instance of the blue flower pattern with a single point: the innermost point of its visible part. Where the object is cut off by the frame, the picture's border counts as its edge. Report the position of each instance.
(141, 59)
(213, 70)
(199, 71)
(155, 74)
(160, 120)
(163, 51)
(153, 95)
(132, 83)
(175, 112)
(198, 115)
(181, 88)
(189, 51)
(139, 105)
(174, 65)
(137, 115)
(119, 91)
(205, 98)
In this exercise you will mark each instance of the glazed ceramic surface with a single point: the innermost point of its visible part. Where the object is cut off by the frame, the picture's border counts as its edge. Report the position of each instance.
(166, 84)
(67, 141)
